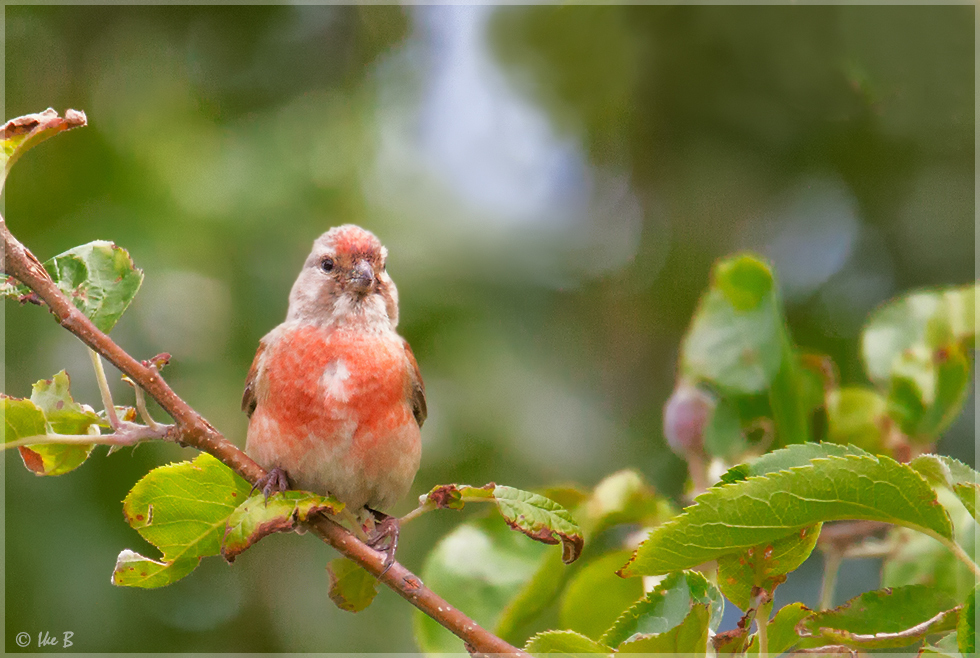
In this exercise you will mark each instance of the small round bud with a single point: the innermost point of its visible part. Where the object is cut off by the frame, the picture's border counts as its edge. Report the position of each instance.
(686, 416)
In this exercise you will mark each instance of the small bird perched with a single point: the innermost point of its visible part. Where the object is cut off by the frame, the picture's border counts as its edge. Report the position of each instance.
(334, 396)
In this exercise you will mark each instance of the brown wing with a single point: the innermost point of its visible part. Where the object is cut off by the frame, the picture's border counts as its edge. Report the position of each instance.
(248, 397)
(417, 388)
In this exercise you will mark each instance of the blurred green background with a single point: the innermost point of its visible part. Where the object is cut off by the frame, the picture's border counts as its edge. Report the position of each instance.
(553, 184)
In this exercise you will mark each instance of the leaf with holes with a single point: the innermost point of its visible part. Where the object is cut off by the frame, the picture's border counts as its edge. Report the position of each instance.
(730, 518)
(351, 587)
(257, 518)
(99, 278)
(182, 509)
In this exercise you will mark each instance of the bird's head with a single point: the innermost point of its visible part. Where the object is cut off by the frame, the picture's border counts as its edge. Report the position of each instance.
(344, 280)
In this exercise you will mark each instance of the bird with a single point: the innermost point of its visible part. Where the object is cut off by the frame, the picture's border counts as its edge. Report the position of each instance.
(334, 397)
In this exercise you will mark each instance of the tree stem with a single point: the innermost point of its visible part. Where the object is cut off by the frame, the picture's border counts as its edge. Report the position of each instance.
(762, 624)
(110, 408)
(77, 439)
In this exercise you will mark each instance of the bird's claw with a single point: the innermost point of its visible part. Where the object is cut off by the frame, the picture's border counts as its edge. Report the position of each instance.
(273, 482)
(384, 539)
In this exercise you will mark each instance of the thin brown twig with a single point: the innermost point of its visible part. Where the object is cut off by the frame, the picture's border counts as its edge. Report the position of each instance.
(193, 430)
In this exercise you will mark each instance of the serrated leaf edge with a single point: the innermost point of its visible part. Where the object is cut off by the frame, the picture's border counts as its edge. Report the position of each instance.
(714, 492)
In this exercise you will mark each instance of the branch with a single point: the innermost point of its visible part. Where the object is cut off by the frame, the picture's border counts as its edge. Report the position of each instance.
(191, 429)
(127, 434)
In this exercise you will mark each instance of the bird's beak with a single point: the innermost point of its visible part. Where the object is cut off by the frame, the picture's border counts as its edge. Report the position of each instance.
(361, 277)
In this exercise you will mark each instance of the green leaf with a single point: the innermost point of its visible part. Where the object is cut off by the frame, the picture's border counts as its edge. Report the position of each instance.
(744, 280)
(788, 396)
(257, 518)
(537, 517)
(21, 419)
(540, 519)
(595, 597)
(914, 558)
(479, 568)
(21, 134)
(666, 606)
(624, 497)
(689, 637)
(99, 278)
(533, 598)
(351, 587)
(952, 473)
(966, 626)
(723, 437)
(51, 410)
(564, 642)
(781, 629)
(182, 509)
(64, 416)
(856, 416)
(945, 646)
(928, 389)
(735, 335)
(927, 319)
(134, 570)
(787, 458)
(764, 566)
(886, 618)
(733, 517)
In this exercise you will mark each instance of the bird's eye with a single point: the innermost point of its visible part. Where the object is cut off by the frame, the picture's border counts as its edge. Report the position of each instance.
(327, 264)
(384, 267)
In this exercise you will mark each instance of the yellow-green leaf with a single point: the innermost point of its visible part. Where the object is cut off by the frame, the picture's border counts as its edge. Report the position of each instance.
(182, 509)
(351, 587)
(257, 517)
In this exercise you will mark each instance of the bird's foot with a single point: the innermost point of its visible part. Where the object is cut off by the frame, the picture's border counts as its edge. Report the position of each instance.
(273, 482)
(384, 538)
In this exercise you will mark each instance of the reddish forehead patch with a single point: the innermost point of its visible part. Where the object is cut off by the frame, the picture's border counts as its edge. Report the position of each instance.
(354, 240)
